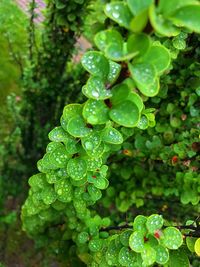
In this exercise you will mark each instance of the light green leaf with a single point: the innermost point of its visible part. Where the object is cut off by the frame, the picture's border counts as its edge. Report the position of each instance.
(91, 142)
(197, 247)
(188, 16)
(77, 168)
(111, 135)
(148, 255)
(63, 188)
(120, 13)
(139, 224)
(96, 64)
(124, 237)
(126, 257)
(139, 42)
(172, 238)
(143, 123)
(137, 6)
(114, 72)
(104, 38)
(70, 111)
(161, 25)
(136, 241)
(125, 113)
(143, 73)
(95, 112)
(58, 135)
(139, 22)
(159, 57)
(154, 222)
(77, 127)
(120, 93)
(95, 89)
(136, 99)
(48, 195)
(168, 7)
(162, 254)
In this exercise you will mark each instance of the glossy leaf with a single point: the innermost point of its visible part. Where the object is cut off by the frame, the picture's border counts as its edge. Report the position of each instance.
(154, 222)
(77, 168)
(136, 241)
(159, 57)
(148, 255)
(120, 13)
(137, 6)
(162, 26)
(168, 7)
(114, 72)
(172, 238)
(112, 136)
(58, 135)
(126, 257)
(136, 99)
(77, 127)
(197, 247)
(139, 224)
(105, 38)
(91, 142)
(124, 237)
(139, 42)
(95, 112)
(95, 89)
(139, 22)
(96, 64)
(125, 113)
(70, 111)
(188, 16)
(143, 123)
(143, 73)
(162, 254)
(63, 188)
(120, 93)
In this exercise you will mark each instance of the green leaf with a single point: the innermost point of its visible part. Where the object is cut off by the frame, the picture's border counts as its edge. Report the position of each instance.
(160, 24)
(120, 93)
(48, 195)
(136, 99)
(95, 89)
(77, 127)
(139, 224)
(178, 258)
(114, 72)
(91, 142)
(95, 112)
(148, 255)
(137, 6)
(95, 245)
(154, 222)
(77, 168)
(136, 241)
(64, 191)
(37, 181)
(96, 64)
(197, 247)
(53, 145)
(94, 192)
(143, 123)
(97, 152)
(112, 254)
(125, 113)
(188, 16)
(168, 7)
(93, 163)
(105, 38)
(172, 238)
(120, 13)
(139, 42)
(139, 22)
(162, 254)
(58, 135)
(126, 257)
(159, 57)
(124, 237)
(111, 135)
(101, 183)
(190, 241)
(70, 111)
(143, 73)
(113, 53)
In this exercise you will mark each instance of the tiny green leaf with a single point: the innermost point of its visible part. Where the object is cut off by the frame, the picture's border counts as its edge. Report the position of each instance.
(77, 168)
(77, 127)
(136, 241)
(162, 254)
(138, 42)
(172, 238)
(154, 222)
(137, 6)
(112, 136)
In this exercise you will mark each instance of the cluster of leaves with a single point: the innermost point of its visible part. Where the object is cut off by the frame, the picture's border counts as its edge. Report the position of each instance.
(123, 93)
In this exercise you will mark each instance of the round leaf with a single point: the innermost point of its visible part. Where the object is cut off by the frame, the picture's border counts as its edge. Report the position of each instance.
(112, 136)
(154, 222)
(77, 127)
(126, 257)
(138, 43)
(96, 64)
(139, 224)
(120, 13)
(95, 112)
(96, 89)
(64, 191)
(137, 6)
(172, 238)
(125, 113)
(77, 168)
(197, 247)
(148, 255)
(159, 57)
(91, 142)
(70, 111)
(114, 72)
(162, 254)
(136, 241)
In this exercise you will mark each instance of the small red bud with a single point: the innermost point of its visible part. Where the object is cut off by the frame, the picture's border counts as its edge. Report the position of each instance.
(174, 159)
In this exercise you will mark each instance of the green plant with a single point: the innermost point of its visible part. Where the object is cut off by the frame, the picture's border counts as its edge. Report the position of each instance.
(109, 155)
